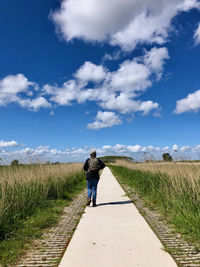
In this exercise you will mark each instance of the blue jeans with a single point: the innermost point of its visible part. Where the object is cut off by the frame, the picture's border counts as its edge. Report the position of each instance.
(92, 188)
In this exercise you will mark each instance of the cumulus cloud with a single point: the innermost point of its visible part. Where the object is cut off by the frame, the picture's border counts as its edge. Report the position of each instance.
(131, 76)
(4, 144)
(91, 72)
(13, 86)
(104, 120)
(117, 90)
(144, 28)
(124, 104)
(114, 91)
(184, 148)
(138, 152)
(111, 90)
(120, 22)
(34, 104)
(155, 60)
(197, 35)
(147, 106)
(62, 95)
(115, 56)
(166, 148)
(189, 104)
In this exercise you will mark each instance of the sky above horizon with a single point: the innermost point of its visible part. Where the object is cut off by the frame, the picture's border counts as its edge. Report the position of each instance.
(118, 76)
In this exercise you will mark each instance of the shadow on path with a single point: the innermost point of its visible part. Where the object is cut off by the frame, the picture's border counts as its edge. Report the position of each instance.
(116, 203)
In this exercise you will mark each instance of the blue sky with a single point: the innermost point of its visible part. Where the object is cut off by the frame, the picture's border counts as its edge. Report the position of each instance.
(121, 77)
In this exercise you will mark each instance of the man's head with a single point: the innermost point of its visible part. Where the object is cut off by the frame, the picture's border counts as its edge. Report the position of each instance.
(93, 153)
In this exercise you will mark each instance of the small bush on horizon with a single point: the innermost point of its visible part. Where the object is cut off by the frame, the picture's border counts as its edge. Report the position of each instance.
(15, 162)
(167, 157)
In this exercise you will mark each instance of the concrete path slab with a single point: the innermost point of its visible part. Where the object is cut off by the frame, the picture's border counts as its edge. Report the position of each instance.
(114, 234)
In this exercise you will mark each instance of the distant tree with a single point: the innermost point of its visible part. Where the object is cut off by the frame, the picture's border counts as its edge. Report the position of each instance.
(167, 157)
(48, 162)
(15, 162)
(56, 163)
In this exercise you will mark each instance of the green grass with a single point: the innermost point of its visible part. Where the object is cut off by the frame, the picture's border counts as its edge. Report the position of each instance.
(177, 201)
(19, 228)
(23, 199)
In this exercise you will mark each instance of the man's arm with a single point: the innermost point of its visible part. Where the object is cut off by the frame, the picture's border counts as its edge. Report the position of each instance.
(86, 165)
(101, 164)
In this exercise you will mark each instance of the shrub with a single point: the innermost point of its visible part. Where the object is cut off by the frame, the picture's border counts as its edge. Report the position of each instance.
(15, 162)
(167, 157)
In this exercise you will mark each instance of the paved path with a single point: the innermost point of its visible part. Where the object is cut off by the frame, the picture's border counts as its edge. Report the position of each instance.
(114, 234)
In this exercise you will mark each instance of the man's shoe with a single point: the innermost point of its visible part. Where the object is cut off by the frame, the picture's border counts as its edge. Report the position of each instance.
(94, 203)
(88, 201)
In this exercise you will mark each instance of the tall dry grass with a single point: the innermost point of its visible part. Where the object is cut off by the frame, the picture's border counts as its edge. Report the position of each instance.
(180, 172)
(186, 169)
(173, 187)
(23, 189)
(36, 172)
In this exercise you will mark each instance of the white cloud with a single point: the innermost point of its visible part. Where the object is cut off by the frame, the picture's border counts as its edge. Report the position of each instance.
(124, 104)
(155, 59)
(138, 152)
(115, 90)
(144, 28)
(188, 4)
(147, 106)
(166, 148)
(189, 104)
(35, 104)
(175, 147)
(120, 22)
(92, 20)
(11, 88)
(131, 76)
(115, 56)
(134, 149)
(197, 35)
(184, 148)
(91, 72)
(104, 120)
(8, 143)
(62, 95)
(13, 84)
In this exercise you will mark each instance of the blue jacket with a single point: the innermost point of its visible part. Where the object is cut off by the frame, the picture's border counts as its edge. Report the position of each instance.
(95, 175)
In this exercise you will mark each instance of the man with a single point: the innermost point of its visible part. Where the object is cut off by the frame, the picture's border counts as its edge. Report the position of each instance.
(92, 167)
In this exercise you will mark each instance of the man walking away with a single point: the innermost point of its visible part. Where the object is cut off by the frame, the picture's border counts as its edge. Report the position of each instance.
(92, 167)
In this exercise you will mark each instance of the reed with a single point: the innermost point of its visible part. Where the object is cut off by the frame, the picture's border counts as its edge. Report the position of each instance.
(26, 188)
(172, 188)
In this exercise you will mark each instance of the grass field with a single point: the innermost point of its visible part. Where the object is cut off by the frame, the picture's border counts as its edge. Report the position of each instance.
(32, 198)
(172, 188)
